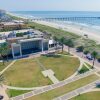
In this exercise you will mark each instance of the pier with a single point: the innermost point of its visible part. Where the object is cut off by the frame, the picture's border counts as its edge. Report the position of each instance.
(65, 19)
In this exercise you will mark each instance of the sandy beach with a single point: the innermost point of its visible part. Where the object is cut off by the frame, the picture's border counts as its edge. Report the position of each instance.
(71, 28)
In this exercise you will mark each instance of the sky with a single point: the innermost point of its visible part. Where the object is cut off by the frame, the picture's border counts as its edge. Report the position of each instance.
(50, 5)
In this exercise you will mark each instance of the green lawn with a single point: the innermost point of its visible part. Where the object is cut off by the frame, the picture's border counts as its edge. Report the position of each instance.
(4, 66)
(25, 73)
(88, 96)
(64, 89)
(89, 65)
(13, 93)
(63, 53)
(83, 70)
(63, 66)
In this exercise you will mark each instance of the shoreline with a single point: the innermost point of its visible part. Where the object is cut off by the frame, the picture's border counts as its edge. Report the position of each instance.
(68, 27)
(73, 29)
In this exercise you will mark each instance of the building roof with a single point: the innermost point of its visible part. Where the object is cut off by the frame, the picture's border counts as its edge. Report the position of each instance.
(32, 39)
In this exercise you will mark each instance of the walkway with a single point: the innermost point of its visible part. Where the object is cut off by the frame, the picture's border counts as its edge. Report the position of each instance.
(53, 86)
(50, 74)
(3, 93)
(7, 67)
(78, 91)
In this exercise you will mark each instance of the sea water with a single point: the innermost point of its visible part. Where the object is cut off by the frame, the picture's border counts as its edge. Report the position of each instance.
(83, 22)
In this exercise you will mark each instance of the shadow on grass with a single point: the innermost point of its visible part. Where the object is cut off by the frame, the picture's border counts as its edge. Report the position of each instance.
(52, 55)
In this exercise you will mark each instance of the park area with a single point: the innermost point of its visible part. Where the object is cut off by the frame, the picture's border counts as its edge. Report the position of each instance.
(28, 72)
(88, 96)
(50, 95)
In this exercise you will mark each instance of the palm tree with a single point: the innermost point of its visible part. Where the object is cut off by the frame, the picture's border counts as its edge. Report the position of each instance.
(69, 43)
(62, 41)
(4, 49)
(94, 54)
(56, 40)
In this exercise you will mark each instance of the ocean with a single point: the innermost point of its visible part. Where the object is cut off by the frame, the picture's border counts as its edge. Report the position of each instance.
(93, 19)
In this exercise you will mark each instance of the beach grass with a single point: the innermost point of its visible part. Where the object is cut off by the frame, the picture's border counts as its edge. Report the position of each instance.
(55, 32)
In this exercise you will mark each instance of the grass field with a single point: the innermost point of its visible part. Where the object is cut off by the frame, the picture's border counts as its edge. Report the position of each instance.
(83, 69)
(12, 93)
(25, 73)
(4, 66)
(65, 89)
(88, 96)
(63, 66)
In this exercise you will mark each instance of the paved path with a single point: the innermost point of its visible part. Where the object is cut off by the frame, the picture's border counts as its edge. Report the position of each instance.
(7, 67)
(79, 55)
(51, 75)
(53, 86)
(3, 93)
(78, 91)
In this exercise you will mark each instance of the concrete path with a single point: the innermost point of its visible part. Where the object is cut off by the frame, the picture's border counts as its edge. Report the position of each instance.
(50, 74)
(78, 91)
(7, 67)
(3, 93)
(79, 55)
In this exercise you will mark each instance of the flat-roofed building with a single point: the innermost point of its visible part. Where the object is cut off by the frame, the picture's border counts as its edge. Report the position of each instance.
(12, 25)
(24, 45)
(29, 46)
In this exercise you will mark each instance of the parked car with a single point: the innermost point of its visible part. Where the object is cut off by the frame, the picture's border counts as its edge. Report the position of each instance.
(99, 60)
(1, 97)
(98, 85)
(89, 56)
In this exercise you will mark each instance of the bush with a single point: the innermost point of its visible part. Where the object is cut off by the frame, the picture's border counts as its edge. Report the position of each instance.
(86, 52)
(19, 34)
(80, 49)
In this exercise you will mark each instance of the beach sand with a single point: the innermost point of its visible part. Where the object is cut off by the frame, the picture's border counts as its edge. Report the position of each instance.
(71, 28)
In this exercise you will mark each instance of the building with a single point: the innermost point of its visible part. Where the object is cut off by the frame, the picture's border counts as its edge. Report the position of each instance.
(28, 46)
(22, 46)
(12, 25)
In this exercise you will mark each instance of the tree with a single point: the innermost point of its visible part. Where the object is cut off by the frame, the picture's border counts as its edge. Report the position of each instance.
(80, 48)
(69, 43)
(62, 41)
(94, 54)
(56, 40)
(4, 49)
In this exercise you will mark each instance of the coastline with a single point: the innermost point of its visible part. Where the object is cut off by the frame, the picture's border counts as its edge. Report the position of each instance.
(71, 28)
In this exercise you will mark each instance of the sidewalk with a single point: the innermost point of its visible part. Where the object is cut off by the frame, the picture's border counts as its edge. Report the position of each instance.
(3, 93)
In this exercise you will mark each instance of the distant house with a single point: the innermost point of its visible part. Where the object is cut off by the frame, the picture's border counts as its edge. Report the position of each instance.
(12, 25)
